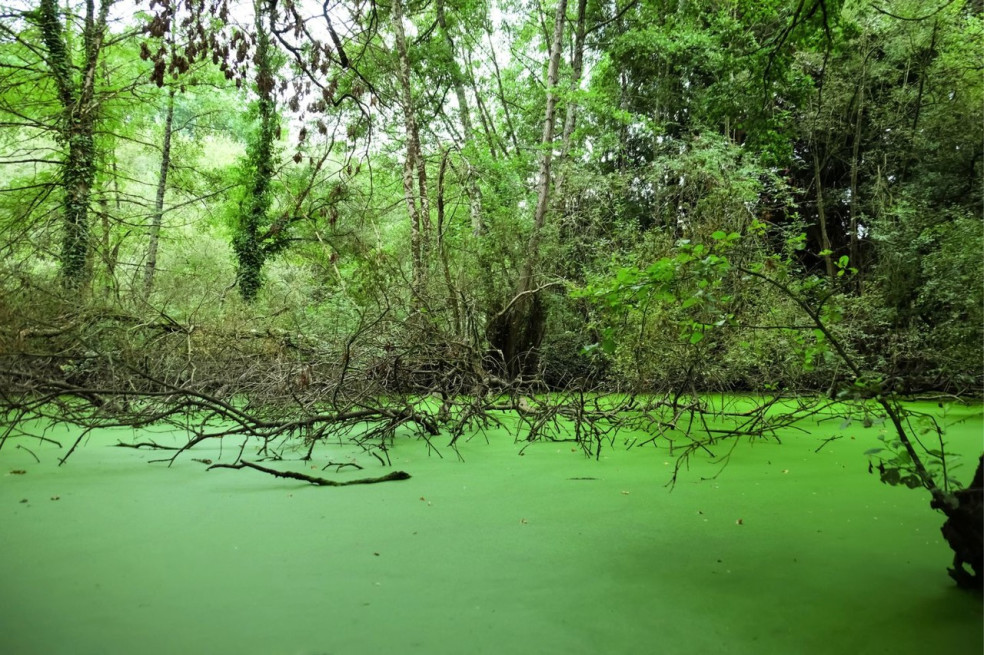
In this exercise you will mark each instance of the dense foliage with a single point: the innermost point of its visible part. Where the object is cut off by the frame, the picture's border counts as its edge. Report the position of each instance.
(343, 159)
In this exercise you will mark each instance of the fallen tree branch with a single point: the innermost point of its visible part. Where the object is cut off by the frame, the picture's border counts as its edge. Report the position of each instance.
(145, 444)
(394, 475)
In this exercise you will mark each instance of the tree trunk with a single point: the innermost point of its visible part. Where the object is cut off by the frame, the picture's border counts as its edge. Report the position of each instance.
(417, 206)
(825, 244)
(247, 243)
(442, 249)
(155, 225)
(502, 94)
(964, 531)
(855, 207)
(570, 117)
(458, 82)
(492, 136)
(78, 109)
(822, 216)
(519, 332)
(546, 149)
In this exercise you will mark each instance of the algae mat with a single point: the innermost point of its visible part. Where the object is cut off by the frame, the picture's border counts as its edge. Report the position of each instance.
(787, 551)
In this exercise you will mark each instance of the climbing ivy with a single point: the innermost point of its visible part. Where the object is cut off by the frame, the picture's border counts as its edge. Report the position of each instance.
(251, 245)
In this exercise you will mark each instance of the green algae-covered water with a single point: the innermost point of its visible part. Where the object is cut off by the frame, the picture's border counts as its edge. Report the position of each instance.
(787, 551)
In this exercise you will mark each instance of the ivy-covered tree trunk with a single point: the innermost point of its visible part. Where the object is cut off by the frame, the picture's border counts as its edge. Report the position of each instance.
(248, 243)
(78, 108)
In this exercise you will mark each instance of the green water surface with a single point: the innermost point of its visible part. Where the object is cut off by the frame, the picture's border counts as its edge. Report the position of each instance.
(787, 551)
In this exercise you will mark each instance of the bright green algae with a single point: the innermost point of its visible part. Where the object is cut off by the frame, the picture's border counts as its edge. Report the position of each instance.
(787, 551)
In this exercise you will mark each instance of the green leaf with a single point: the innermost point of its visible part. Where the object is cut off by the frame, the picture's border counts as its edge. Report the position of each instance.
(608, 341)
(912, 481)
(696, 338)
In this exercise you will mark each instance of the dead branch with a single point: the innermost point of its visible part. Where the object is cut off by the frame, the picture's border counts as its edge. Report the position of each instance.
(145, 444)
(323, 482)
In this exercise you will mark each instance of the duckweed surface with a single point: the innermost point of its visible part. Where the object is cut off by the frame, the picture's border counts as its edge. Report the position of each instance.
(786, 551)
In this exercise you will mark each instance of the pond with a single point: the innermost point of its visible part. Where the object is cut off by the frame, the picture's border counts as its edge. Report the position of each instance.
(788, 550)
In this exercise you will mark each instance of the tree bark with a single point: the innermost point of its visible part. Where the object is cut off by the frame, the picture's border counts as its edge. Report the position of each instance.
(155, 225)
(577, 70)
(502, 94)
(250, 251)
(964, 531)
(457, 81)
(822, 216)
(521, 330)
(492, 137)
(416, 198)
(78, 109)
(855, 205)
(546, 150)
(443, 251)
